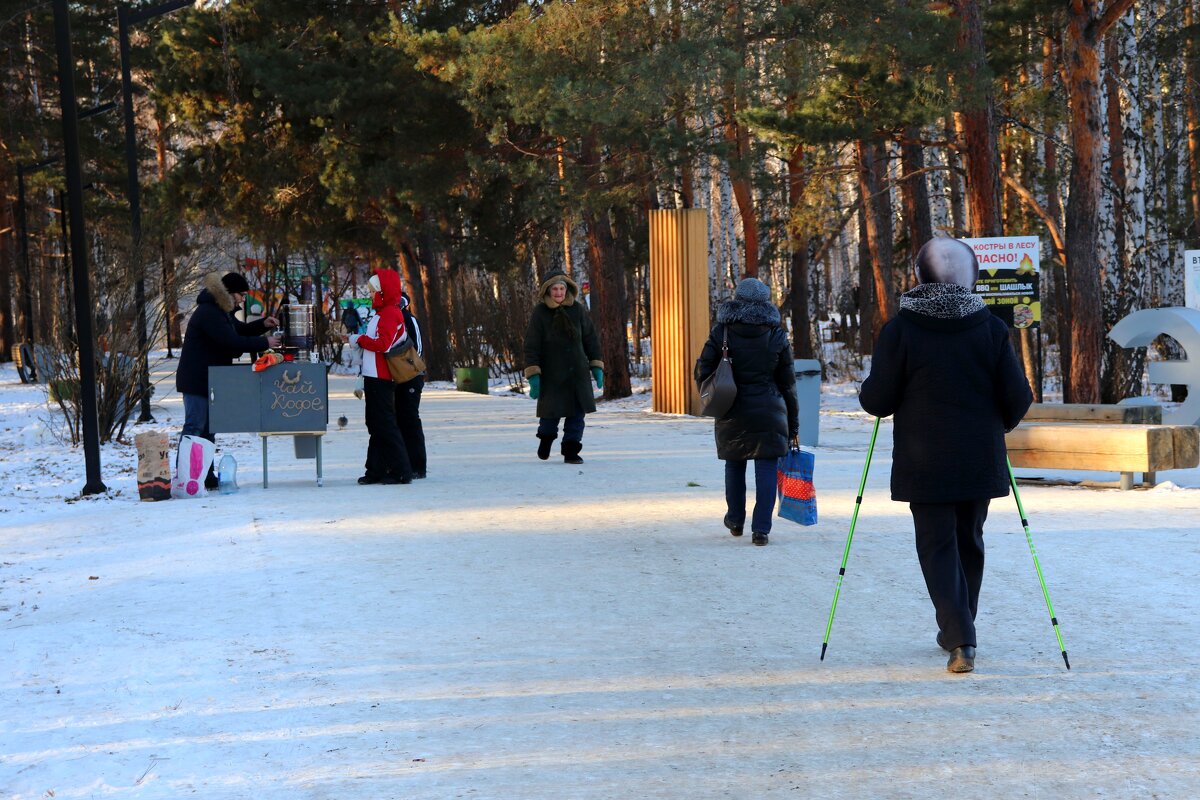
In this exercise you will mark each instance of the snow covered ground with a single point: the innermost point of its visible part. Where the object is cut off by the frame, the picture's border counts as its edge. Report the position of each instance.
(512, 629)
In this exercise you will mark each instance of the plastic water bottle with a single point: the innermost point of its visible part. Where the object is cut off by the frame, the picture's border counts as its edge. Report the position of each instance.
(227, 475)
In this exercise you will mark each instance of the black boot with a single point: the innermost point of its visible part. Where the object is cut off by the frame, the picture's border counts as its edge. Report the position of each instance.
(962, 659)
(544, 446)
(570, 452)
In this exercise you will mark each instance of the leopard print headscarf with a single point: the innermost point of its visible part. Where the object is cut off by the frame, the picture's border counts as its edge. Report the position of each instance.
(941, 300)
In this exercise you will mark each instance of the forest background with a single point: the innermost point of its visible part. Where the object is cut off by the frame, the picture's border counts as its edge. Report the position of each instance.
(475, 145)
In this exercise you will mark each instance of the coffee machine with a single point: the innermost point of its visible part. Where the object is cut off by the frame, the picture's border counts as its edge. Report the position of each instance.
(298, 339)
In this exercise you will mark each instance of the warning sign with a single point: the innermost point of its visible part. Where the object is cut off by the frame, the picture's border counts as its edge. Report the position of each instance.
(1010, 277)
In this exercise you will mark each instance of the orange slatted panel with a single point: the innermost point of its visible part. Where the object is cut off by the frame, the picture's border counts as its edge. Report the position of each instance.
(679, 305)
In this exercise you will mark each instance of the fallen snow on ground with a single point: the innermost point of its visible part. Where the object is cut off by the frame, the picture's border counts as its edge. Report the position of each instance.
(510, 628)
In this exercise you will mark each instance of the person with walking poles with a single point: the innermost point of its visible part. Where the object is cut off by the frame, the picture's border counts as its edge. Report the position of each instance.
(946, 372)
(562, 358)
(387, 457)
(765, 416)
(214, 338)
(408, 398)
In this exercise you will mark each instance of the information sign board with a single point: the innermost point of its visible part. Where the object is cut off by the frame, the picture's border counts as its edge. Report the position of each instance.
(1010, 278)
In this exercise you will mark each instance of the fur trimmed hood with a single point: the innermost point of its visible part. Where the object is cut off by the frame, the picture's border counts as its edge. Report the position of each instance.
(752, 313)
(217, 291)
(543, 291)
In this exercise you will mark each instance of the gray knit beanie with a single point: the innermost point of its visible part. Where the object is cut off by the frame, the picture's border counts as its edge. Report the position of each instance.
(752, 290)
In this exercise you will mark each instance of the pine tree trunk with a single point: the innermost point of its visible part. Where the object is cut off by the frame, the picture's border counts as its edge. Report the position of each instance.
(979, 126)
(877, 204)
(914, 192)
(1111, 271)
(958, 208)
(743, 192)
(1082, 74)
(437, 346)
(864, 292)
(738, 137)
(608, 309)
(410, 274)
(802, 343)
(9, 264)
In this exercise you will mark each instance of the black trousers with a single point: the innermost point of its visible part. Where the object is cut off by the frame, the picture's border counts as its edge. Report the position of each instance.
(950, 549)
(386, 453)
(408, 417)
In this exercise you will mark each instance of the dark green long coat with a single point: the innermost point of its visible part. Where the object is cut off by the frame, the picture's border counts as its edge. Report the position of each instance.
(561, 345)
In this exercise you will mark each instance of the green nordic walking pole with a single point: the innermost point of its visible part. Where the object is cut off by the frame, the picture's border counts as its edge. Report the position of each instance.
(846, 553)
(1025, 523)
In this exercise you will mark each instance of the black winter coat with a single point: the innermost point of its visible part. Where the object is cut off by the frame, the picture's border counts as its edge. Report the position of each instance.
(765, 414)
(561, 345)
(214, 338)
(954, 387)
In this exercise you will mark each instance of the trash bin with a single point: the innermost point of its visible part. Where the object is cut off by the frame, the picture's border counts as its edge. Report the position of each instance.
(808, 393)
(471, 379)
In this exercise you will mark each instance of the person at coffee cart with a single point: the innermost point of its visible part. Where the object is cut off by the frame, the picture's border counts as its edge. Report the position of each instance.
(387, 456)
(214, 338)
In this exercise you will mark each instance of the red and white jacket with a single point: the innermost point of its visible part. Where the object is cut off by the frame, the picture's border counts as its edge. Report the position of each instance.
(386, 328)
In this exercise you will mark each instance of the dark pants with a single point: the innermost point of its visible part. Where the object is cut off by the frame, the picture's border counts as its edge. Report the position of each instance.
(408, 417)
(386, 453)
(950, 549)
(764, 493)
(572, 427)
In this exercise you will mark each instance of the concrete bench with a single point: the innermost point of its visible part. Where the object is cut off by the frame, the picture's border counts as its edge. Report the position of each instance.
(1105, 447)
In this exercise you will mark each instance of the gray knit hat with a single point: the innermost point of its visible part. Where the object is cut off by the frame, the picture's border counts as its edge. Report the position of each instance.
(752, 290)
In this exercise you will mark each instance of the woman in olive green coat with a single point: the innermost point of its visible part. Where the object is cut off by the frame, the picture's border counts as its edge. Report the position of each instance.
(562, 357)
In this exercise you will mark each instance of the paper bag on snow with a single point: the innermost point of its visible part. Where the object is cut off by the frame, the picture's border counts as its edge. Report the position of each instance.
(191, 466)
(154, 465)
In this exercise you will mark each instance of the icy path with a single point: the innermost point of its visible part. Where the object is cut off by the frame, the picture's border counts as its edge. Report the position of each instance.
(516, 629)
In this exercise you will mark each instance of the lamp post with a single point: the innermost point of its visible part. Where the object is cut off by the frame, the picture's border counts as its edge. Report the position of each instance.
(126, 18)
(83, 300)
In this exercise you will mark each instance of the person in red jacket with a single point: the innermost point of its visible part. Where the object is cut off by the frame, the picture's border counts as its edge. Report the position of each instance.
(387, 457)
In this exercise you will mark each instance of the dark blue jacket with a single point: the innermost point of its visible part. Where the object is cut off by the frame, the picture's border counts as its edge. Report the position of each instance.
(214, 338)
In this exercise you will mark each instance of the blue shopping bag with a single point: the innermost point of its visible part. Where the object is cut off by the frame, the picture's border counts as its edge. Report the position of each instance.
(794, 478)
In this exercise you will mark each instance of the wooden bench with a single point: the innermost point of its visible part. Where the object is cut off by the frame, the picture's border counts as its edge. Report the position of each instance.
(1105, 447)
(1088, 413)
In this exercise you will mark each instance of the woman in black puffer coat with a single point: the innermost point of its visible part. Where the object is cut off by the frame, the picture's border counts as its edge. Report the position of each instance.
(765, 416)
